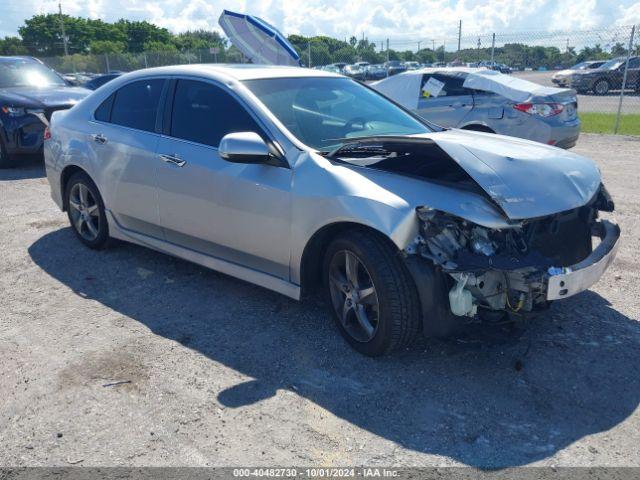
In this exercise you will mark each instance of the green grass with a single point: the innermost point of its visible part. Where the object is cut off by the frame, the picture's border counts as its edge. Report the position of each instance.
(605, 122)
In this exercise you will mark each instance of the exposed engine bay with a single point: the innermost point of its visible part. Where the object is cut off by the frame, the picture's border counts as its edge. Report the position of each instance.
(494, 270)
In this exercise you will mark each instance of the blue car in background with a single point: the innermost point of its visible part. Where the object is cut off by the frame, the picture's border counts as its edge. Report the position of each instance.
(100, 80)
(29, 94)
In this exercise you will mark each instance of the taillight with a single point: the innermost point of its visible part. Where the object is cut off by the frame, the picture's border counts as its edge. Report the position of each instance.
(541, 109)
(47, 133)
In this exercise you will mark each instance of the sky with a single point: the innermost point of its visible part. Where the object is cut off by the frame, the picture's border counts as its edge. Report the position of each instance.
(400, 20)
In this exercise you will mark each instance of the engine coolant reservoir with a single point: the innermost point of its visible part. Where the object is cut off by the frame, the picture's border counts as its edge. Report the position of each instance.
(461, 300)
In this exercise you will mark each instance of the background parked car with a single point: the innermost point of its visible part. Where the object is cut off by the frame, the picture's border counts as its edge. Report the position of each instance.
(354, 71)
(77, 79)
(375, 72)
(607, 77)
(394, 67)
(499, 67)
(98, 81)
(29, 93)
(562, 77)
(488, 101)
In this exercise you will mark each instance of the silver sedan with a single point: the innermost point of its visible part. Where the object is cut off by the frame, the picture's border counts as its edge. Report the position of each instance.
(298, 179)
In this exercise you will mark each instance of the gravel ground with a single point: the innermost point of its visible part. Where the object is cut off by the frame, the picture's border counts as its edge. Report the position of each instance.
(130, 357)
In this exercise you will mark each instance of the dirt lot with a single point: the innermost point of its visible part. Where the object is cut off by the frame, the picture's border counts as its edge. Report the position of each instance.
(130, 357)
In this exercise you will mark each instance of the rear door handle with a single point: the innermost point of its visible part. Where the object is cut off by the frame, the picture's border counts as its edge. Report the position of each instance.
(99, 138)
(175, 159)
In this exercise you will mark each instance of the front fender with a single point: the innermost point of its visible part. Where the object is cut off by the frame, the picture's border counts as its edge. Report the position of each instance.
(325, 193)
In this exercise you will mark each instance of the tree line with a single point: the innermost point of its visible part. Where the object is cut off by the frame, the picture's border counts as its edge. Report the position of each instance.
(138, 44)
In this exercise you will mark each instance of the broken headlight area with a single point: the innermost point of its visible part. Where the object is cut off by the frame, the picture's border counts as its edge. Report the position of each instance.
(509, 269)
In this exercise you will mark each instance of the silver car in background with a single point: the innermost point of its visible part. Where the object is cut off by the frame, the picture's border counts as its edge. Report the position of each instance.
(297, 179)
(488, 101)
(562, 78)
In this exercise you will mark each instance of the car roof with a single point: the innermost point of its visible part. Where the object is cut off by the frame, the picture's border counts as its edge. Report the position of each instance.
(14, 58)
(236, 72)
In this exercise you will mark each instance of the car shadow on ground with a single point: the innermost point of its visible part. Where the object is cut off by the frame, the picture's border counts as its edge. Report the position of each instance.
(494, 397)
(29, 167)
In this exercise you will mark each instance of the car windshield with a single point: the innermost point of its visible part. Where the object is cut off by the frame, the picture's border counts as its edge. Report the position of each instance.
(26, 73)
(612, 64)
(322, 112)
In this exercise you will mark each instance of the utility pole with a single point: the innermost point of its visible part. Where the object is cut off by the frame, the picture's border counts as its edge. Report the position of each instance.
(419, 45)
(624, 79)
(64, 36)
(459, 36)
(493, 47)
(433, 45)
(387, 49)
(309, 55)
(478, 49)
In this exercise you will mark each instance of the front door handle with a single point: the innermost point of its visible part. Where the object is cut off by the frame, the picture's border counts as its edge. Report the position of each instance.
(99, 138)
(175, 159)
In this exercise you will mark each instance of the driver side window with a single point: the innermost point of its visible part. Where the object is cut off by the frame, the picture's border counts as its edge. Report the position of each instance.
(204, 113)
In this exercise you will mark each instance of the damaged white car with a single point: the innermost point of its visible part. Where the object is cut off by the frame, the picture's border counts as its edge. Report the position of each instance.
(293, 178)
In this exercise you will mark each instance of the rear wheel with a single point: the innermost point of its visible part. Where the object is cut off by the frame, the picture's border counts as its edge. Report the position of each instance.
(85, 210)
(601, 87)
(478, 128)
(372, 294)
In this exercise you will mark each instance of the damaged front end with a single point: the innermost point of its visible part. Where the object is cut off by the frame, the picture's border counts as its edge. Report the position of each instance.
(522, 268)
(549, 243)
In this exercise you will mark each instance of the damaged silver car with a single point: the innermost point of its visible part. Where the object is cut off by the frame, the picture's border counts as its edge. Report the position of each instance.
(297, 179)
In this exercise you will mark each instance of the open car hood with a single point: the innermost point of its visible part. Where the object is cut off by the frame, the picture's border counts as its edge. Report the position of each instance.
(525, 179)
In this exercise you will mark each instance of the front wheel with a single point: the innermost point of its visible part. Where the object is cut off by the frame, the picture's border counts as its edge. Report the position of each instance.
(85, 210)
(373, 297)
(601, 87)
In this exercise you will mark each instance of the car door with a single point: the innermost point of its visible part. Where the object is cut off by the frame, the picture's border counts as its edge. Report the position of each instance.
(443, 99)
(633, 74)
(124, 141)
(236, 212)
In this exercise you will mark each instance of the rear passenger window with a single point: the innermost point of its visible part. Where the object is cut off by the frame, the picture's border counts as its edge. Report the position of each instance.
(438, 85)
(204, 113)
(103, 112)
(136, 104)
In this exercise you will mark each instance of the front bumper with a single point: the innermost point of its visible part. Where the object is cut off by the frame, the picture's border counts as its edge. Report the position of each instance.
(567, 281)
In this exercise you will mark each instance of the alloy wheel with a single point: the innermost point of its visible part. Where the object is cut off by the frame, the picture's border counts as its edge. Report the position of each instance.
(354, 296)
(84, 212)
(602, 87)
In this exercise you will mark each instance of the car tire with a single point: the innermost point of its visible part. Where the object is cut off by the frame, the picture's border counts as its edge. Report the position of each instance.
(478, 128)
(6, 160)
(601, 87)
(377, 291)
(85, 210)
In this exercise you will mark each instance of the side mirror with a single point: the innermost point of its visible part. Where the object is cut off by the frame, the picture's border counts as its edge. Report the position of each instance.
(243, 147)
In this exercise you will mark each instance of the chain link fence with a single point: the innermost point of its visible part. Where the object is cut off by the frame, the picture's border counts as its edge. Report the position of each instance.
(608, 97)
